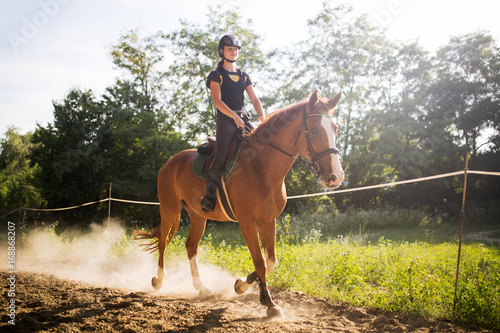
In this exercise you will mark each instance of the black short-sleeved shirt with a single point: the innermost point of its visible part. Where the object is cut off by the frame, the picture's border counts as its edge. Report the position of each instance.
(233, 85)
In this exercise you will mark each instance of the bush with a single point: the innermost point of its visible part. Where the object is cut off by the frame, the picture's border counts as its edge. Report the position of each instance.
(331, 224)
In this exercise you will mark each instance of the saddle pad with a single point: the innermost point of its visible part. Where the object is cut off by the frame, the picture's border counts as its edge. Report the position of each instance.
(201, 170)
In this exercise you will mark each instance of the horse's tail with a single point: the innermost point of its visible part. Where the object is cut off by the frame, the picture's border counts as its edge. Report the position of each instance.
(154, 235)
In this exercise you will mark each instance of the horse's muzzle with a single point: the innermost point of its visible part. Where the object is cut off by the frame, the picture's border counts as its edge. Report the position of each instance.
(333, 181)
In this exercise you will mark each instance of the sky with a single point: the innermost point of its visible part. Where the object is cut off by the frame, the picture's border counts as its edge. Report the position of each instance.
(48, 47)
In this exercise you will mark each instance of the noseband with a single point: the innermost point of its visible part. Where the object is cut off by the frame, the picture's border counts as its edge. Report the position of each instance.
(313, 155)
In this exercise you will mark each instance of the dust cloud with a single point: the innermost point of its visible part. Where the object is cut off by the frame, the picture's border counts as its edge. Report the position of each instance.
(105, 257)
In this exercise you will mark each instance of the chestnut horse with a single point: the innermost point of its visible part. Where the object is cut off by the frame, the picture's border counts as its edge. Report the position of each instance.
(256, 188)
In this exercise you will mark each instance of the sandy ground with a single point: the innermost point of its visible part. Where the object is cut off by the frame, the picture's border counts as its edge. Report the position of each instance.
(79, 284)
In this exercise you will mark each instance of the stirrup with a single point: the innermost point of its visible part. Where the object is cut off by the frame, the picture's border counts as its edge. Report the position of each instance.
(207, 204)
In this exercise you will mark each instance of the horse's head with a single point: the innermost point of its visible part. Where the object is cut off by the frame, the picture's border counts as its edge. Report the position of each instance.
(318, 142)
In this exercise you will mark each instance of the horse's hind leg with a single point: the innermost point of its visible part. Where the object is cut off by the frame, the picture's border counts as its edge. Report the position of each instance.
(157, 281)
(170, 220)
(196, 232)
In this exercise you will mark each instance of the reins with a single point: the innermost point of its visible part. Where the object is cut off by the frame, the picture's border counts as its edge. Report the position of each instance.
(313, 156)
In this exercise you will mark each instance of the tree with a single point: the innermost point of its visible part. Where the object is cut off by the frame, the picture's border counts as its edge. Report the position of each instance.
(401, 133)
(466, 91)
(345, 53)
(17, 176)
(69, 151)
(138, 56)
(93, 142)
(341, 53)
(135, 150)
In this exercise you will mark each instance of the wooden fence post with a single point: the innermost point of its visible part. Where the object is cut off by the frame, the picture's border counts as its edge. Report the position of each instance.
(109, 204)
(462, 216)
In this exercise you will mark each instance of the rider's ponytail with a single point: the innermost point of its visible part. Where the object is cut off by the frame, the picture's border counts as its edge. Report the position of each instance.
(219, 64)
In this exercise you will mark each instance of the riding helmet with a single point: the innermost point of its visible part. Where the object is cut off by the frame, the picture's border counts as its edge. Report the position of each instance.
(228, 40)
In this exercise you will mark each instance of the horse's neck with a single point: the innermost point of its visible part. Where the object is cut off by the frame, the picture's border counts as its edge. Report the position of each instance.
(275, 164)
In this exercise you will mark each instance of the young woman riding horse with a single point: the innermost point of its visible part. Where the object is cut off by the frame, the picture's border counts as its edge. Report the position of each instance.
(227, 85)
(256, 188)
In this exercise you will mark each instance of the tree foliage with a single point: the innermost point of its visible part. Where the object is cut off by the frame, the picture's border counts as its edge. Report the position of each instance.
(120, 138)
(466, 90)
(138, 56)
(17, 176)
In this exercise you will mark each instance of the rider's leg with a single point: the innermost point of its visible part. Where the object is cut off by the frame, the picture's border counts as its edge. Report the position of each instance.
(226, 131)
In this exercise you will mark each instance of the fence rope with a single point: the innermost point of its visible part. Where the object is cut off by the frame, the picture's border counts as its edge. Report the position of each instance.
(415, 180)
(488, 173)
(137, 202)
(456, 173)
(12, 212)
(65, 208)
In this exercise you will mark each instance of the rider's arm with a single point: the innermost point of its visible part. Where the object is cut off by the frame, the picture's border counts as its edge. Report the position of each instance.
(256, 102)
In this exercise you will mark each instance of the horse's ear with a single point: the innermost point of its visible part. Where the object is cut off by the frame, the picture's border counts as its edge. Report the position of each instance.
(333, 102)
(313, 99)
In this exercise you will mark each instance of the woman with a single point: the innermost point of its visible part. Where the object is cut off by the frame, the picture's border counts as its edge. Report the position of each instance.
(227, 84)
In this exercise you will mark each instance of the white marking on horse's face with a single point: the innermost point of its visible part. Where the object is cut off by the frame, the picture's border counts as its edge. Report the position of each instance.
(327, 125)
(337, 170)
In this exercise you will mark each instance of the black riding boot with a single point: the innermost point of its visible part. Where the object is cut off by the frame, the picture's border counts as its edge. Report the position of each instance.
(208, 201)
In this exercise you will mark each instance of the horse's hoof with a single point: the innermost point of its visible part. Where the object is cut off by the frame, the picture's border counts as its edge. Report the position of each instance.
(275, 312)
(206, 291)
(156, 283)
(241, 286)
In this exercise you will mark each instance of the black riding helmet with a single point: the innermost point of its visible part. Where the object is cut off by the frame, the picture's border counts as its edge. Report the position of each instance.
(228, 40)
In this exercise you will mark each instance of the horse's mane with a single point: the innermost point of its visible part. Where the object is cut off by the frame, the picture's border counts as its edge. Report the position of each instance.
(279, 118)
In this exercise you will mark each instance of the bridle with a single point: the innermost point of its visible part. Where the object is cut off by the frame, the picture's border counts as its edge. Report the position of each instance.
(312, 161)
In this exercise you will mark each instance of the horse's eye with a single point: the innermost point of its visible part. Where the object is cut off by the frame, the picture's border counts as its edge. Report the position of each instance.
(314, 131)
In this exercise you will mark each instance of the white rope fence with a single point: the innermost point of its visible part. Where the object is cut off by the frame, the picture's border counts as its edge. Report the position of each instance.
(137, 202)
(65, 208)
(415, 180)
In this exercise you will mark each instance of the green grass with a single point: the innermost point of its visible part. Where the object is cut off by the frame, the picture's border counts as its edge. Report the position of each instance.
(414, 272)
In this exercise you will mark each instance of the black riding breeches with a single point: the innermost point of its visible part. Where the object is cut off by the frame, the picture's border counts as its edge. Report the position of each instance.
(225, 134)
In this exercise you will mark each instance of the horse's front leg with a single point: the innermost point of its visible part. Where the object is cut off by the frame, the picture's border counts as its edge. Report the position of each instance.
(267, 234)
(268, 239)
(242, 285)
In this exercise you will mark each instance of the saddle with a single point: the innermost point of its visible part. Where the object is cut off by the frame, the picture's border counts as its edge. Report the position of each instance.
(208, 148)
(206, 155)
